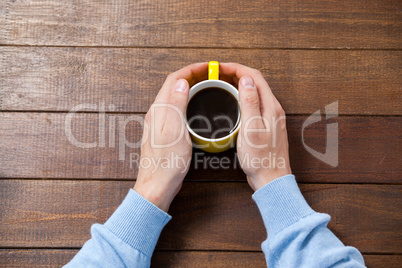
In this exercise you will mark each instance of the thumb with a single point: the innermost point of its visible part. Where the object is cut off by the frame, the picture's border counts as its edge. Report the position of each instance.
(249, 103)
(179, 95)
(177, 104)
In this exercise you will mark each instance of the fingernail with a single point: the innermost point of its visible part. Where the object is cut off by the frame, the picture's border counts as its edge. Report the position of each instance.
(247, 82)
(181, 85)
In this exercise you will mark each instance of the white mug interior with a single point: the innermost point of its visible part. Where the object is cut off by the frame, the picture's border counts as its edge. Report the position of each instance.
(218, 84)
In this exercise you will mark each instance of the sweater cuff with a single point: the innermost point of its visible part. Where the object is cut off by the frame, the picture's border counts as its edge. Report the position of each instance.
(281, 204)
(138, 222)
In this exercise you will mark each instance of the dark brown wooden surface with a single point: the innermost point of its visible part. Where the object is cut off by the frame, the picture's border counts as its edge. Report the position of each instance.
(55, 55)
(58, 79)
(168, 259)
(28, 220)
(224, 23)
(369, 150)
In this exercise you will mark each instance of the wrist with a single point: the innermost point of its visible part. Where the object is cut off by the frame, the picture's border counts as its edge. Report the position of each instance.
(260, 180)
(159, 195)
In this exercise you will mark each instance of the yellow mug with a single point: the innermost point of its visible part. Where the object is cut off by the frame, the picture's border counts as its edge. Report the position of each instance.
(220, 144)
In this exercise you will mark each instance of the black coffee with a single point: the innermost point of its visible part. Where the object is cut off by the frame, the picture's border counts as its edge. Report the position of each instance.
(213, 113)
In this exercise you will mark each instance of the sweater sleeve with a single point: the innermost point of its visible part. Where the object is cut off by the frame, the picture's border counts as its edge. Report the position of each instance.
(127, 239)
(297, 235)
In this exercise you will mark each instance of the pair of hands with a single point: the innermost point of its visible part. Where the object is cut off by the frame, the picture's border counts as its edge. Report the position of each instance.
(261, 138)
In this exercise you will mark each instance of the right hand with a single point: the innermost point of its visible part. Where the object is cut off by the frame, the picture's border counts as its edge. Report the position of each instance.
(262, 143)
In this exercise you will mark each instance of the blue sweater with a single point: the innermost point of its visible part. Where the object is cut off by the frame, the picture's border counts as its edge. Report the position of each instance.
(297, 235)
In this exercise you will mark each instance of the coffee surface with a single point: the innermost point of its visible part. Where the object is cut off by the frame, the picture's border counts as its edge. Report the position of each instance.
(213, 113)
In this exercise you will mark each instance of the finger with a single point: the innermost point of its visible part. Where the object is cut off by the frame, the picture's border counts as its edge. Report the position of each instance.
(250, 104)
(227, 78)
(197, 79)
(267, 98)
(238, 70)
(236, 80)
(189, 73)
(174, 116)
(230, 79)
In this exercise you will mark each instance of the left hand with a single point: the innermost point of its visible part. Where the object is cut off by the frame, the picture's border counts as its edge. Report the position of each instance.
(166, 145)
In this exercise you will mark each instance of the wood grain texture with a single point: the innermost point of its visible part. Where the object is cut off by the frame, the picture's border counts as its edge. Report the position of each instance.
(35, 257)
(208, 259)
(391, 261)
(58, 79)
(224, 23)
(57, 258)
(206, 216)
(125, 51)
(245, 259)
(168, 259)
(35, 145)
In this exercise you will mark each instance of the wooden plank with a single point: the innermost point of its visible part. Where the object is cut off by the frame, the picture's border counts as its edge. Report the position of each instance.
(58, 79)
(208, 259)
(273, 24)
(245, 259)
(206, 216)
(3, 19)
(35, 257)
(57, 258)
(391, 261)
(35, 145)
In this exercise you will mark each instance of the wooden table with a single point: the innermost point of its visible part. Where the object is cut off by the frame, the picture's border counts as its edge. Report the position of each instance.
(108, 60)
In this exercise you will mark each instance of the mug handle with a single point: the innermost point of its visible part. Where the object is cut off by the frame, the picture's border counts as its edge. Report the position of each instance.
(213, 70)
